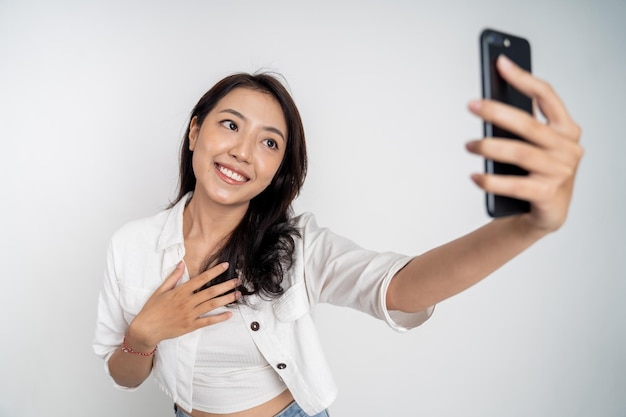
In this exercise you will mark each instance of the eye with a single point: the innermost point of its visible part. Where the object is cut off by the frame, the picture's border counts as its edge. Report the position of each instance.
(271, 143)
(229, 124)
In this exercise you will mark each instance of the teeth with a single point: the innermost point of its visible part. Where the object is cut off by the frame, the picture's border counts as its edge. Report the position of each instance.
(232, 175)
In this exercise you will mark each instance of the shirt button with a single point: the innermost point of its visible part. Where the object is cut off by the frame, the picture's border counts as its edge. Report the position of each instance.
(281, 366)
(255, 326)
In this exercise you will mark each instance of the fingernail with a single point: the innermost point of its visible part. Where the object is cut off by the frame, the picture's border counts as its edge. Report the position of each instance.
(475, 105)
(471, 145)
(180, 265)
(225, 265)
(504, 61)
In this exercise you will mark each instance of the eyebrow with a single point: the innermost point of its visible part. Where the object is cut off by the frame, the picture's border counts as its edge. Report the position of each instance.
(241, 116)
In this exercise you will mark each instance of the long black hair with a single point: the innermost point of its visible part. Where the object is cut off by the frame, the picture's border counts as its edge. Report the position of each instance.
(260, 249)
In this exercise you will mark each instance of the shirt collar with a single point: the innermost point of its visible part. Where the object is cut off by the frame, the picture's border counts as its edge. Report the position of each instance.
(172, 233)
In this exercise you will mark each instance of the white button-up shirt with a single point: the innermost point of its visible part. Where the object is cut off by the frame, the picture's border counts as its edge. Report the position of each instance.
(327, 269)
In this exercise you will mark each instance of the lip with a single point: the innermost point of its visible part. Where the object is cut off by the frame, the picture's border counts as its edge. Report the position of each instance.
(235, 171)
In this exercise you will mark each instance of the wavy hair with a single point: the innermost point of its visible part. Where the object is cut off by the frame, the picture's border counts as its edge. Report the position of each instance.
(260, 248)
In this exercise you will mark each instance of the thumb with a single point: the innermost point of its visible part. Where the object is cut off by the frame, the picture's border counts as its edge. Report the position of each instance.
(173, 278)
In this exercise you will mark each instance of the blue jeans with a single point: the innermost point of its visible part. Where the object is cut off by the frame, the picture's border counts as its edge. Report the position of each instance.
(293, 410)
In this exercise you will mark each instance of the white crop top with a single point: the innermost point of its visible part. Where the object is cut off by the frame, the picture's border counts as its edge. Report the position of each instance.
(230, 374)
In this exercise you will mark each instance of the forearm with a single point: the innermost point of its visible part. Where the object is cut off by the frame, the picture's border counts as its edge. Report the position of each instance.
(131, 369)
(449, 269)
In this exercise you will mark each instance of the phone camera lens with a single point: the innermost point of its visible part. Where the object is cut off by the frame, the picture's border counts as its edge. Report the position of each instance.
(495, 39)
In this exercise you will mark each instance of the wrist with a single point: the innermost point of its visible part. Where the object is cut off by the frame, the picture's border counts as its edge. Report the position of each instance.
(135, 343)
(526, 226)
(135, 349)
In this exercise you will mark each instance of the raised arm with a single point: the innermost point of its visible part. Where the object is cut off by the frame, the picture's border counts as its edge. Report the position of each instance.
(551, 156)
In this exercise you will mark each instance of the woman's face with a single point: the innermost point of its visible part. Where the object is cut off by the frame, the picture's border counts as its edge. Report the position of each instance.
(239, 147)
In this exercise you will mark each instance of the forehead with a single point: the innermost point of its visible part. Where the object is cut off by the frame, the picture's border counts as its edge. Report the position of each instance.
(254, 105)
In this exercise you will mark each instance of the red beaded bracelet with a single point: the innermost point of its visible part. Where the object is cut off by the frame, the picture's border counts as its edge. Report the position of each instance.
(128, 349)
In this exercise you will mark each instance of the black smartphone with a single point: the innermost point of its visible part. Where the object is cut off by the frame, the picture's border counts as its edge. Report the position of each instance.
(492, 45)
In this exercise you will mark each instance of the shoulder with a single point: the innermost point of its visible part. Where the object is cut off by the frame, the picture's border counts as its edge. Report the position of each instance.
(307, 226)
(304, 220)
(155, 232)
(319, 239)
(142, 232)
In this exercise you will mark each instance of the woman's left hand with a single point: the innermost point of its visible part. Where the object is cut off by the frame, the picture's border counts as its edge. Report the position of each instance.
(551, 154)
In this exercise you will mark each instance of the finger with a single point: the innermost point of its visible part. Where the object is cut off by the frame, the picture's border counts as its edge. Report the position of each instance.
(516, 121)
(520, 187)
(216, 290)
(214, 319)
(173, 278)
(522, 154)
(217, 302)
(205, 277)
(547, 100)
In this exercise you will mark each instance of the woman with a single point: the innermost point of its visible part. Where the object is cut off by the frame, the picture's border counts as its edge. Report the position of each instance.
(214, 294)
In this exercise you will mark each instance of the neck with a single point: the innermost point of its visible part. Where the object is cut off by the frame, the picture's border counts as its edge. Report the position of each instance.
(207, 222)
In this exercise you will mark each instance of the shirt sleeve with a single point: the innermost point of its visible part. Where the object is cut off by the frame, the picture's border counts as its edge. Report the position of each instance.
(340, 272)
(111, 325)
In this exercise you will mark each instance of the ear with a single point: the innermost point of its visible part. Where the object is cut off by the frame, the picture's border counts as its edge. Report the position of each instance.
(194, 131)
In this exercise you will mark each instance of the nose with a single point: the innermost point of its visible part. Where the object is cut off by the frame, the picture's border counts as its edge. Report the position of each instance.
(242, 149)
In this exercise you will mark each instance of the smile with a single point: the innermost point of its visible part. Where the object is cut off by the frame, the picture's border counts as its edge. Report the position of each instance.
(231, 174)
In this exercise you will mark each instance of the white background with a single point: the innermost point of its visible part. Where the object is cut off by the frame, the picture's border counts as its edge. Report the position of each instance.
(94, 98)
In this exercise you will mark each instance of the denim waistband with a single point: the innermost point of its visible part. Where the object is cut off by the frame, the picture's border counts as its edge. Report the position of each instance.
(293, 410)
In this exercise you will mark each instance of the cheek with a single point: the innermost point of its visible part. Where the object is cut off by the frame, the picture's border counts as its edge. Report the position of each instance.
(200, 159)
(271, 169)
(194, 163)
(199, 165)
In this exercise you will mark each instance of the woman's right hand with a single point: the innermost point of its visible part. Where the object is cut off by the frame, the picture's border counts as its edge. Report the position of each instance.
(174, 311)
